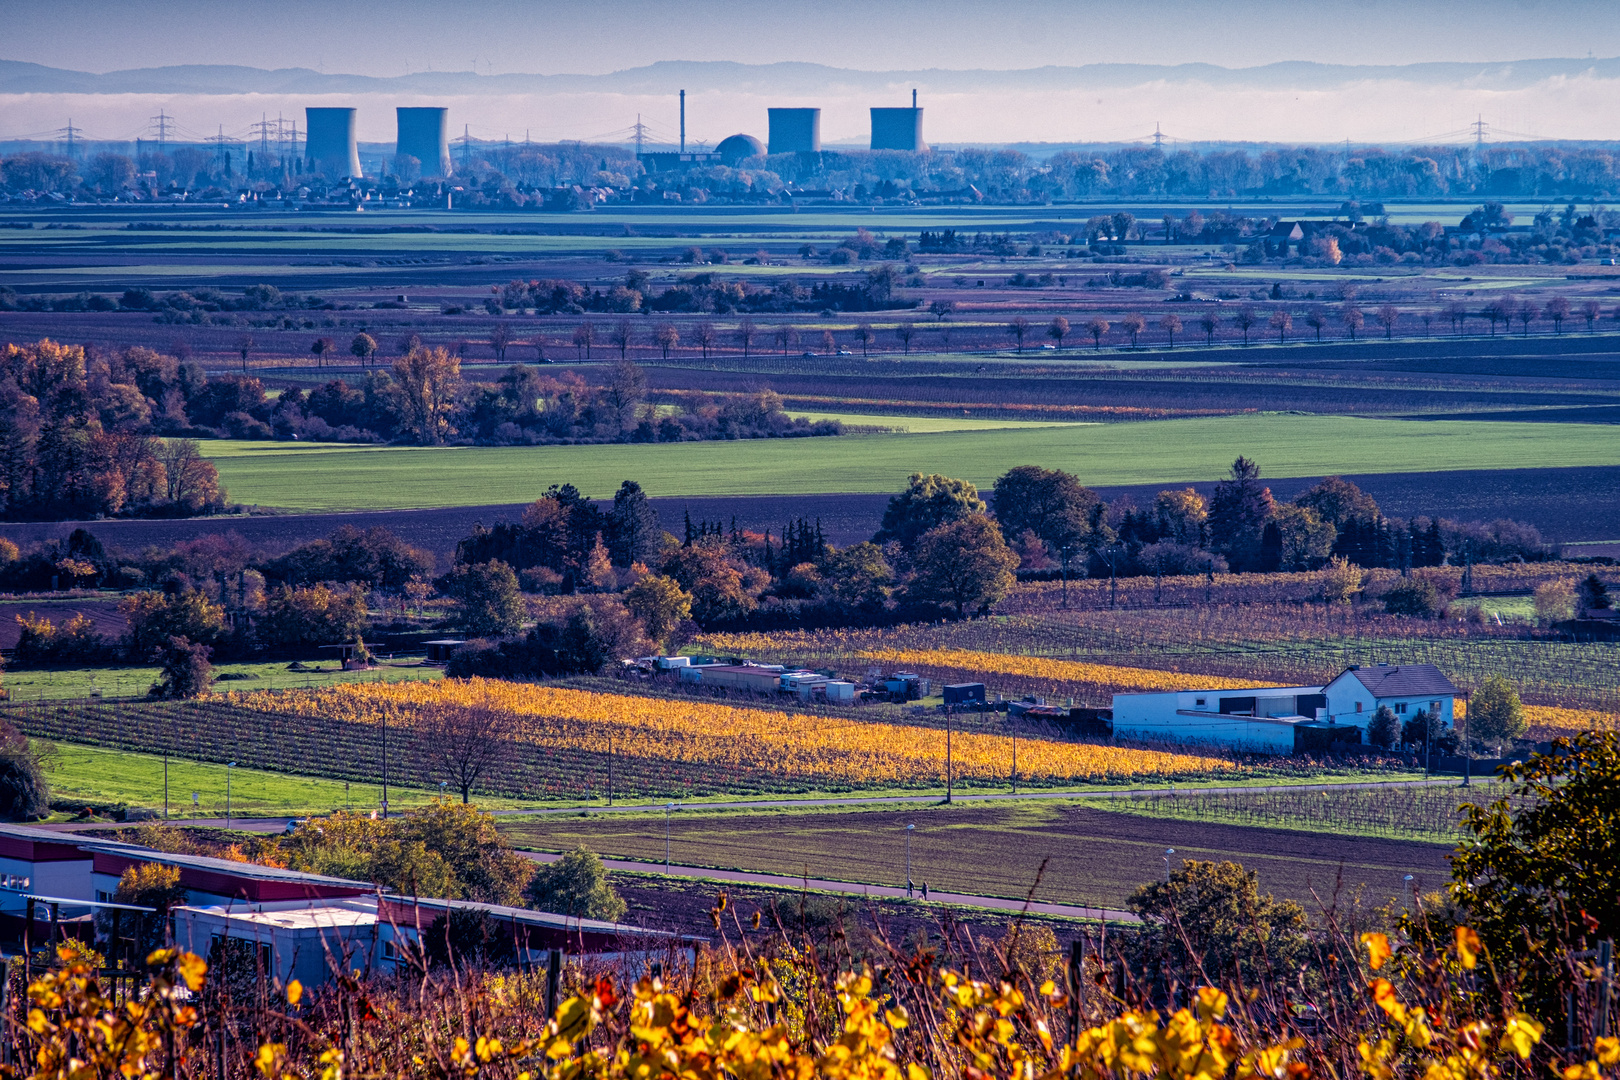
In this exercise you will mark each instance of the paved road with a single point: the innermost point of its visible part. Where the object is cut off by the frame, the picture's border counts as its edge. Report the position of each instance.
(851, 888)
(963, 797)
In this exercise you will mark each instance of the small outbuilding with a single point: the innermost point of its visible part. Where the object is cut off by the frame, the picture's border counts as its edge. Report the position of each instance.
(438, 652)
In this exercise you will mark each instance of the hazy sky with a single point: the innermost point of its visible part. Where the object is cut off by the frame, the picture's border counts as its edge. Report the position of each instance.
(392, 37)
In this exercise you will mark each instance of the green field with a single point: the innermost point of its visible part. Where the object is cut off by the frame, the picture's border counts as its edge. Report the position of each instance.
(105, 777)
(67, 683)
(319, 477)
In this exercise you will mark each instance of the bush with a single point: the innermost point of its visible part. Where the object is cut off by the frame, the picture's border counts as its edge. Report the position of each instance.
(575, 885)
(1416, 597)
(1495, 715)
(24, 793)
(1384, 729)
(186, 671)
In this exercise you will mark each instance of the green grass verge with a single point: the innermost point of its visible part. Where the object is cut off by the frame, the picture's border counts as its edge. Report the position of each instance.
(65, 683)
(102, 776)
(1168, 452)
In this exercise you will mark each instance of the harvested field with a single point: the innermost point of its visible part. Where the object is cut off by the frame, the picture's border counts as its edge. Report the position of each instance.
(1092, 856)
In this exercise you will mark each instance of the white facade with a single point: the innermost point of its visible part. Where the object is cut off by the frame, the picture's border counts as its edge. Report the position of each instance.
(1350, 701)
(303, 940)
(1260, 720)
(1267, 718)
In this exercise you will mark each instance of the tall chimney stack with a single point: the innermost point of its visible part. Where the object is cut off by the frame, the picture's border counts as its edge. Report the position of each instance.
(683, 121)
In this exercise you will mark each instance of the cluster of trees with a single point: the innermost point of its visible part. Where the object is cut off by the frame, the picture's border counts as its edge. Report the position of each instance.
(214, 596)
(1054, 520)
(532, 175)
(708, 292)
(197, 306)
(514, 177)
(78, 434)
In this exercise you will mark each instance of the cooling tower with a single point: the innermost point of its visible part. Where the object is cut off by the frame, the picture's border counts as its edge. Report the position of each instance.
(424, 134)
(329, 142)
(795, 131)
(897, 129)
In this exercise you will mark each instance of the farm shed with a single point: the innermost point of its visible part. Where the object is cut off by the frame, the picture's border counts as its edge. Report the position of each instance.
(438, 652)
(307, 941)
(758, 679)
(971, 693)
(1262, 719)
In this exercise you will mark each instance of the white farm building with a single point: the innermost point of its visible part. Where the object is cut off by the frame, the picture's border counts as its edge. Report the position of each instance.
(1287, 719)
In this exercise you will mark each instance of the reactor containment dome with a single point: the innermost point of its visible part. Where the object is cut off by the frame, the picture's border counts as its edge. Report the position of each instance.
(424, 134)
(735, 148)
(795, 131)
(330, 147)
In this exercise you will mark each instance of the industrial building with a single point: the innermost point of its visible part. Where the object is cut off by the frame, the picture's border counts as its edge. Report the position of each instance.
(794, 131)
(1287, 719)
(739, 147)
(302, 925)
(424, 134)
(898, 129)
(330, 144)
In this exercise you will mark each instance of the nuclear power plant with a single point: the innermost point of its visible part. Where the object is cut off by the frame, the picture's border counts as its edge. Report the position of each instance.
(424, 134)
(330, 146)
(794, 131)
(898, 129)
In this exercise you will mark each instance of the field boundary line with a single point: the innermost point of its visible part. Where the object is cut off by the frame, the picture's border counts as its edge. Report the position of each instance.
(996, 796)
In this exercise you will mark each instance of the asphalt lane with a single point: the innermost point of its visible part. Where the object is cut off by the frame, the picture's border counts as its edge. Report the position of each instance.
(852, 888)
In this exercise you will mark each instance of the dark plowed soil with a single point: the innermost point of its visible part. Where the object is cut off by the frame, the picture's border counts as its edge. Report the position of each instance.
(1566, 504)
(1089, 856)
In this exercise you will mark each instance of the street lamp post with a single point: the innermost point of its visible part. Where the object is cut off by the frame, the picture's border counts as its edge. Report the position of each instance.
(228, 767)
(1169, 851)
(909, 830)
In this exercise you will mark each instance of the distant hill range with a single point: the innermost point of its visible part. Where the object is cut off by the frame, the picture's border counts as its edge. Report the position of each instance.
(17, 77)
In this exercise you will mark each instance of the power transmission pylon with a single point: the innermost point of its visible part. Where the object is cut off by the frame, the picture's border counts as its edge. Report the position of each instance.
(1479, 131)
(71, 133)
(1158, 136)
(641, 131)
(162, 120)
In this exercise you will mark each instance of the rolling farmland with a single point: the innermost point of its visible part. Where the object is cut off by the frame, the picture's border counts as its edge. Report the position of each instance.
(338, 477)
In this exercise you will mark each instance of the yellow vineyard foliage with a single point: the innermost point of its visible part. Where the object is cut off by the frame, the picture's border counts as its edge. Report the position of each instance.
(1079, 674)
(737, 736)
(1561, 721)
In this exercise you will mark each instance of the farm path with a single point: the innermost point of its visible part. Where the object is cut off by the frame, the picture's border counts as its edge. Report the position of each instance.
(977, 797)
(854, 888)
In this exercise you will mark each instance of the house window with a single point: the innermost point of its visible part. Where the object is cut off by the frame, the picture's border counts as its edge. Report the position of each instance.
(1400, 707)
(1200, 703)
(1434, 708)
(1358, 706)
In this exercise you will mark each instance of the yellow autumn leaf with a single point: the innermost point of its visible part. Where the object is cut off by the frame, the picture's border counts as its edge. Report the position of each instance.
(295, 992)
(1467, 946)
(1522, 1033)
(1378, 951)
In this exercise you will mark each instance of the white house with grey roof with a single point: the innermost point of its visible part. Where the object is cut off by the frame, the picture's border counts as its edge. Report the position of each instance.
(1286, 719)
(1407, 689)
